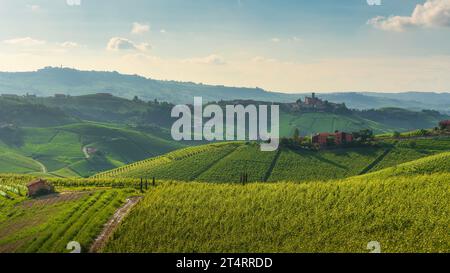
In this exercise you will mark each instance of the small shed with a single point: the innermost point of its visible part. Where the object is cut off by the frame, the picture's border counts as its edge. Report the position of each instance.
(39, 187)
(445, 124)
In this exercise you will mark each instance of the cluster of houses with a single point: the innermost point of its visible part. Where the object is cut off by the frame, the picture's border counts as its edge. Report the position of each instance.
(341, 138)
(337, 138)
(315, 104)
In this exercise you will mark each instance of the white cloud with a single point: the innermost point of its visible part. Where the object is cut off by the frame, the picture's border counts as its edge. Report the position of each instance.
(163, 31)
(25, 41)
(69, 44)
(275, 40)
(118, 44)
(139, 28)
(212, 59)
(433, 13)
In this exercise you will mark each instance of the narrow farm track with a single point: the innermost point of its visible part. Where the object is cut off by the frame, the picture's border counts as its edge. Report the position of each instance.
(375, 162)
(113, 223)
(272, 166)
(86, 154)
(43, 168)
(214, 163)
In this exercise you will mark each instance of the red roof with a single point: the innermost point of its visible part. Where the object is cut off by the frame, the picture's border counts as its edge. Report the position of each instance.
(445, 122)
(37, 181)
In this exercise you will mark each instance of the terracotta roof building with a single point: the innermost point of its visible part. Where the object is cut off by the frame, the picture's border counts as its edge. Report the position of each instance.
(39, 187)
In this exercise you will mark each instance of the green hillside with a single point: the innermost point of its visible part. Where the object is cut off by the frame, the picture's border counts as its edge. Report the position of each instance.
(393, 206)
(339, 216)
(430, 165)
(51, 80)
(81, 149)
(226, 162)
(20, 112)
(311, 123)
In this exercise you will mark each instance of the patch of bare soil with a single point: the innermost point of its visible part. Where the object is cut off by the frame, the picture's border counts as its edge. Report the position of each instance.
(113, 223)
(54, 198)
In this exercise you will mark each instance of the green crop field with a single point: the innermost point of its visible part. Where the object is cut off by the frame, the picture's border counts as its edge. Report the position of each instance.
(185, 164)
(311, 165)
(246, 159)
(404, 214)
(227, 162)
(403, 207)
(49, 224)
(310, 123)
(60, 151)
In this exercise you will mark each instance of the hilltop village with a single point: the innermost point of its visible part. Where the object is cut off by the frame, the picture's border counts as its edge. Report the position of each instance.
(315, 104)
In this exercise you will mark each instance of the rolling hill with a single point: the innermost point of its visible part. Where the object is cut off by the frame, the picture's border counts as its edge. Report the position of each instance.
(80, 149)
(157, 115)
(226, 162)
(83, 135)
(339, 216)
(52, 80)
(404, 207)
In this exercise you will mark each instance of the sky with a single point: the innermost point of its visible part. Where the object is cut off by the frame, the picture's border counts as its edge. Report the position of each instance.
(278, 45)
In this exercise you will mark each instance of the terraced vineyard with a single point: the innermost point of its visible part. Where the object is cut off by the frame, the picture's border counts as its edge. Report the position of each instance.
(48, 224)
(410, 150)
(59, 151)
(439, 163)
(226, 162)
(339, 216)
(246, 159)
(311, 165)
(185, 164)
(392, 205)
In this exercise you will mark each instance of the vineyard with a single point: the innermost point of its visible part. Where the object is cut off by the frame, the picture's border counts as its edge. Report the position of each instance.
(392, 203)
(307, 165)
(175, 165)
(339, 216)
(48, 225)
(245, 159)
(435, 164)
(226, 162)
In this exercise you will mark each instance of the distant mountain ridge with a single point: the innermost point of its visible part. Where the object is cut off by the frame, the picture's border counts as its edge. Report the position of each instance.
(51, 80)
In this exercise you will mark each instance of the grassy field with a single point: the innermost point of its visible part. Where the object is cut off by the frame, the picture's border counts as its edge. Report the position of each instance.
(404, 214)
(310, 123)
(312, 165)
(60, 149)
(403, 207)
(226, 162)
(49, 224)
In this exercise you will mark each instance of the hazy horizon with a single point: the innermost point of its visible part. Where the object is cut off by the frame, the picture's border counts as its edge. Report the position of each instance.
(290, 47)
(250, 87)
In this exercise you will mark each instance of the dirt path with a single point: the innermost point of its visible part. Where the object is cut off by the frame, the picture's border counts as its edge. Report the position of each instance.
(43, 168)
(375, 162)
(113, 223)
(86, 154)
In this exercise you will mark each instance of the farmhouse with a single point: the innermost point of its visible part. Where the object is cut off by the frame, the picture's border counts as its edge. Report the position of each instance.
(444, 125)
(39, 187)
(338, 138)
